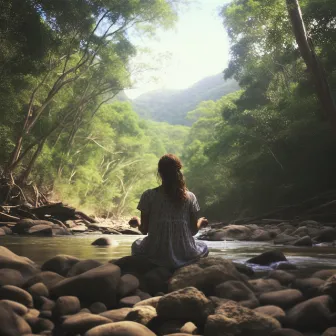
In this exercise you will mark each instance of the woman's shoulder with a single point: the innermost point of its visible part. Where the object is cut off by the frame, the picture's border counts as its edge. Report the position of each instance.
(191, 196)
(150, 192)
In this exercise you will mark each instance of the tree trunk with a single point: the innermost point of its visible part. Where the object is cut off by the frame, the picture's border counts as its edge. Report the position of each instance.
(310, 58)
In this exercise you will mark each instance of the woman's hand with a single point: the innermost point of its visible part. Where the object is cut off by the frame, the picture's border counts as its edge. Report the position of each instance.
(202, 223)
(134, 222)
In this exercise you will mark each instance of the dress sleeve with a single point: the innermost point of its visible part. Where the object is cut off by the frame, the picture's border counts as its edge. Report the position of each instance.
(194, 206)
(144, 203)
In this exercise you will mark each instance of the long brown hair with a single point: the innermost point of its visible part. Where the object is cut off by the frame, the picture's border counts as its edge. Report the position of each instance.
(169, 169)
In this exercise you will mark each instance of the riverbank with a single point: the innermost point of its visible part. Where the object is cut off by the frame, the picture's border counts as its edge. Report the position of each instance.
(130, 296)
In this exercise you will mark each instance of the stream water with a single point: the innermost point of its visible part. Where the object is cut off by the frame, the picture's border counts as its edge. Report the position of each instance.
(40, 249)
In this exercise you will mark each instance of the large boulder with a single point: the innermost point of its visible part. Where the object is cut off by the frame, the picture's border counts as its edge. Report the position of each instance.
(327, 234)
(283, 277)
(156, 280)
(125, 328)
(83, 266)
(330, 332)
(127, 285)
(82, 322)
(324, 274)
(23, 226)
(149, 302)
(304, 241)
(10, 260)
(329, 287)
(268, 258)
(311, 315)
(230, 232)
(284, 299)
(135, 265)
(233, 319)
(49, 279)
(60, 264)
(104, 241)
(310, 287)
(66, 305)
(16, 294)
(17, 307)
(98, 284)
(260, 286)
(187, 304)
(40, 230)
(204, 275)
(273, 311)
(142, 314)
(11, 277)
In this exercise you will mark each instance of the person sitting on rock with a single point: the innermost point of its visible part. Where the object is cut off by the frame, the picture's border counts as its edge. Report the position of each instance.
(169, 215)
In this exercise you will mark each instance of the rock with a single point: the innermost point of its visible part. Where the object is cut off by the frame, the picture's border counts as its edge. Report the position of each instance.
(149, 302)
(129, 301)
(39, 325)
(285, 266)
(233, 319)
(2, 232)
(156, 280)
(116, 315)
(105, 241)
(162, 327)
(313, 314)
(11, 277)
(285, 332)
(262, 235)
(125, 328)
(329, 287)
(268, 258)
(43, 303)
(135, 265)
(23, 226)
(82, 322)
(141, 314)
(273, 311)
(310, 223)
(66, 305)
(230, 232)
(325, 235)
(60, 231)
(244, 269)
(310, 287)
(265, 285)
(204, 275)
(324, 274)
(236, 291)
(12, 324)
(49, 279)
(17, 307)
(46, 314)
(16, 294)
(97, 308)
(142, 295)
(32, 313)
(330, 332)
(283, 277)
(301, 231)
(40, 230)
(61, 264)
(79, 229)
(127, 285)
(284, 299)
(284, 238)
(177, 305)
(130, 232)
(304, 241)
(83, 266)
(98, 284)
(10, 260)
(38, 289)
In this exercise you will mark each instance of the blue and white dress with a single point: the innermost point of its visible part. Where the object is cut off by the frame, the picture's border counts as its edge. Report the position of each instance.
(169, 242)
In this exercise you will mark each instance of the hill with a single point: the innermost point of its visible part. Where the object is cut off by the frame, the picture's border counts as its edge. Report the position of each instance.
(172, 106)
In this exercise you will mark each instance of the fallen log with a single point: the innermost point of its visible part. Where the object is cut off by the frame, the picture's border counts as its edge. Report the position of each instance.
(85, 217)
(8, 218)
(57, 210)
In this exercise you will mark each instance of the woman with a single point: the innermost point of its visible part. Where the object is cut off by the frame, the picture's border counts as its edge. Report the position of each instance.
(169, 215)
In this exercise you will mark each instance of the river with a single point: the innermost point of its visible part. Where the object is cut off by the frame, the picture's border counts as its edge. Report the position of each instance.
(40, 249)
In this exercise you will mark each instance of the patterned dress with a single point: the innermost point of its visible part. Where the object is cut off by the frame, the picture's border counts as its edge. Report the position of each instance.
(169, 242)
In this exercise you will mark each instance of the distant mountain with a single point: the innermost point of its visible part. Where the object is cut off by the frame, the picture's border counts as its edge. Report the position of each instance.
(172, 106)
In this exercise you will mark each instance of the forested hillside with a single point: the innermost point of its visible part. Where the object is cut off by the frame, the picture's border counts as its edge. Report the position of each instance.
(172, 106)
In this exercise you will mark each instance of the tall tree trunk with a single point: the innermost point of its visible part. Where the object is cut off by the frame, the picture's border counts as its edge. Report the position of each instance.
(312, 62)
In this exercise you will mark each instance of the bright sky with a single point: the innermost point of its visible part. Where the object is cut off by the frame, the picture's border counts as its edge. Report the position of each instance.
(196, 48)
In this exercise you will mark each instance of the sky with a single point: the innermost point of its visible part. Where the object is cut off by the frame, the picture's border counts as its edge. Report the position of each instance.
(196, 48)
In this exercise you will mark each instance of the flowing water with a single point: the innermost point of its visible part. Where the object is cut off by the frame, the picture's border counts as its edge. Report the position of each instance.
(40, 249)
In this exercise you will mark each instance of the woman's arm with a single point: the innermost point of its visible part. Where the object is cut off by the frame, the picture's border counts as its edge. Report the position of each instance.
(142, 224)
(197, 223)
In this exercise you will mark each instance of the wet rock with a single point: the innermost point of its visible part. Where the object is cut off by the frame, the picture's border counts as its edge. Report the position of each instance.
(40, 325)
(285, 266)
(23, 226)
(326, 234)
(310, 287)
(142, 295)
(284, 299)
(268, 258)
(204, 275)
(83, 266)
(97, 308)
(135, 265)
(125, 328)
(17, 307)
(273, 311)
(66, 305)
(236, 291)
(283, 277)
(230, 232)
(38, 289)
(262, 235)
(60, 231)
(104, 241)
(265, 285)
(82, 322)
(43, 303)
(61, 264)
(329, 287)
(130, 232)
(40, 231)
(116, 315)
(49, 279)
(330, 332)
(304, 241)
(244, 269)
(141, 314)
(156, 280)
(187, 304)
(284, 238)
(99, 284)
(129, 301)
(12, 324)
(233, 319)
(10, 260)
(127, 285)
(79, 229)
(11, 277)
(313, 314)
(324, 274)
(286, 332)
(149, 302)
(16, 294)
